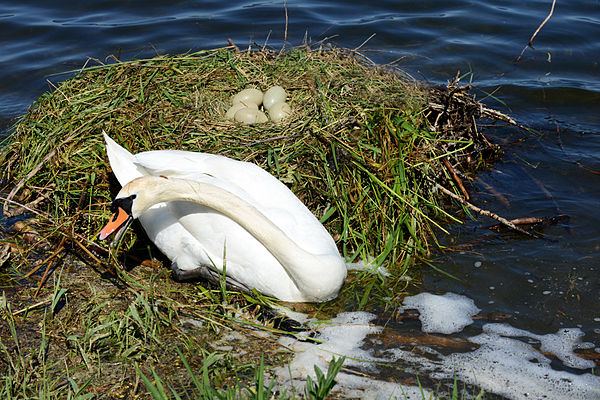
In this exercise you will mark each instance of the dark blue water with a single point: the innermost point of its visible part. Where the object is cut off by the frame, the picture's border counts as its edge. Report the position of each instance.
(554, 88)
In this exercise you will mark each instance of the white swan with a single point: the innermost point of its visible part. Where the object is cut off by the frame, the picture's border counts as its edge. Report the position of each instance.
(204, 211)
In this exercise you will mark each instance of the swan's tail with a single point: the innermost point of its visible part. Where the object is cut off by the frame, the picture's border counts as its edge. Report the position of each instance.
(122, 162)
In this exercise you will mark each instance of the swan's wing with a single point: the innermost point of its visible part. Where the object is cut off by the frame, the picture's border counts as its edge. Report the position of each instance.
(219, 241)
(122, 162)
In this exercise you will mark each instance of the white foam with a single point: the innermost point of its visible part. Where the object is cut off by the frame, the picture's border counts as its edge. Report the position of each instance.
(505, 363)
(343, 335)
(561, 343)
(447, 314)
(514, 369)
(368, 265)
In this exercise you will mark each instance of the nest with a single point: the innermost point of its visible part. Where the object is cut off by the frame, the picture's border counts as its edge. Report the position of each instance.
(363, 149)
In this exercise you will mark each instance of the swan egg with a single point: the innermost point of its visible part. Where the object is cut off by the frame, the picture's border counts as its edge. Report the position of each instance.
(274, 95)
(280, 111)
(248, 96)
(261, 117)
(250, 115)
(230, 114)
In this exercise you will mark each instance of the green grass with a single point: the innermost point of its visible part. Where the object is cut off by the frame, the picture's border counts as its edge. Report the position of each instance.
(134, 345)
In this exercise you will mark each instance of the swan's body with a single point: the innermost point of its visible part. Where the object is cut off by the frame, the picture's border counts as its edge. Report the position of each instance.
(204, 211)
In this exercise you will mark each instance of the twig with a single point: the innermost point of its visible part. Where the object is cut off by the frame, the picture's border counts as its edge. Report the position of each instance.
(266, 41)
(35, 170)
(494, 114)
(88, 252)
(31, 307)
(51, 262)
(60, 247)
(363, 43)
(19, 185)
(286, 27)
(535, 221)
(456, 178)
(487, 213)
(22, 209)
(232, 44)
(530, 43)
(47, 260)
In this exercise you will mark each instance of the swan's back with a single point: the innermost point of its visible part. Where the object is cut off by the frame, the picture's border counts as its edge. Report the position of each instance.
(249, 182)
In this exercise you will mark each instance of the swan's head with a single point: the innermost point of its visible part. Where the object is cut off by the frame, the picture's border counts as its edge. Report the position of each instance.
(127, 206)
(133, 199)
(122, 216)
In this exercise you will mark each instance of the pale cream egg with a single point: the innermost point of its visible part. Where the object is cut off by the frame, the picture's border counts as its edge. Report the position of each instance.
(274, 95)
(250, 115)
(230, 114)
(248, 96)
(261, 117)
(280, 111)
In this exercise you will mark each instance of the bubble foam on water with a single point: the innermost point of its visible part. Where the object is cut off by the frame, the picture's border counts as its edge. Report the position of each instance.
(503, 363)
(511, 368)
(447, 314)
(561, 343)
(369, 265)
(343, 335)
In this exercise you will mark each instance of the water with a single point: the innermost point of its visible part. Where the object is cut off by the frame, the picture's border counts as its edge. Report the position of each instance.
(554, 88)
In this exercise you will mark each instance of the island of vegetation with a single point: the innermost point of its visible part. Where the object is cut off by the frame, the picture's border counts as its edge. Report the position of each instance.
(376, 155)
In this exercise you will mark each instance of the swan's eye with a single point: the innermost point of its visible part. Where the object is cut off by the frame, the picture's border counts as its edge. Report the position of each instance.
(124, 202)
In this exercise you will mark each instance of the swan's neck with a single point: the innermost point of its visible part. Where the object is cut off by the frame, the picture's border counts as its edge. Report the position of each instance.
(318, 277)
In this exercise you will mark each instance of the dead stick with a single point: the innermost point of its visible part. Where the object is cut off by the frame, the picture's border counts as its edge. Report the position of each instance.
(49, 266)
(232, 44)
(286, 26)
(89, 253)
(18, 211)
(20, 184)
(25, 207)
(494, 114)
(31, 307)
(535, 220)
(487, 213)
(530, 43)
(47, 260)
(527, 220)
(456, 178)
(363, 43)
(62, 242)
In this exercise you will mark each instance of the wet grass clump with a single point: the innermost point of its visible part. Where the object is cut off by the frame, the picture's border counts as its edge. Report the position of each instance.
(365, 149)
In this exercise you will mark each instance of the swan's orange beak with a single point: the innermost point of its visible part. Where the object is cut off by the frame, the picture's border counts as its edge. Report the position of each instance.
(119, 221)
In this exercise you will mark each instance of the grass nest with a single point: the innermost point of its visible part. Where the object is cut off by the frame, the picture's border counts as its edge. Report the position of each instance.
(364, 148)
